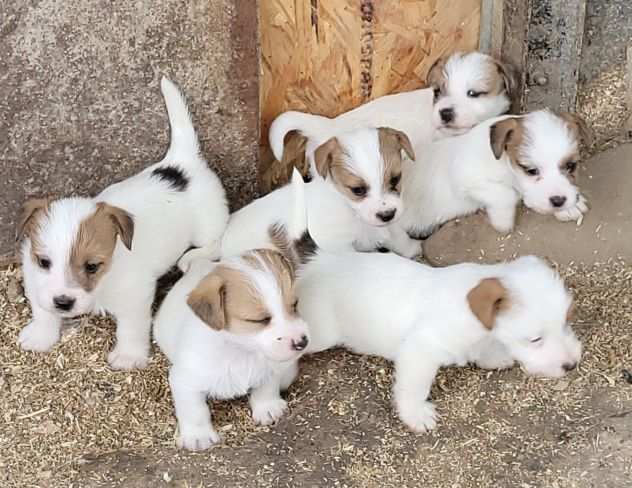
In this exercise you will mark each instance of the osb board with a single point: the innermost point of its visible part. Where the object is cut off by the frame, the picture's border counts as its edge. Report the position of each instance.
(329, 56)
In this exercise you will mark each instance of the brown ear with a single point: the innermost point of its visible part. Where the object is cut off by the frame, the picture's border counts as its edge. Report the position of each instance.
(30, 209)
(500, 135)
(435, 73)
(399, 140)
(207, 301)
(486, 299)
(579, 127)
(325, 155)
(510, 77)
(122, 220)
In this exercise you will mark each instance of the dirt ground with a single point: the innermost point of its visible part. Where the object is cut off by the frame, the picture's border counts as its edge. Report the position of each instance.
(68, 420)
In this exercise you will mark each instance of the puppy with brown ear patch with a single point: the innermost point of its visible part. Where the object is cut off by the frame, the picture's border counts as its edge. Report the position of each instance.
(104, 254)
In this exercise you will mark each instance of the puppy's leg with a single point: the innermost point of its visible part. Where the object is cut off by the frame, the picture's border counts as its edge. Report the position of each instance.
(415, 370)
(573, 213)
(490, 354)
(500, 203)
(289, 375)
(196, 431)
(42, 333)
(401, 243)
(133, 326)
(266, 402)
(211, 251)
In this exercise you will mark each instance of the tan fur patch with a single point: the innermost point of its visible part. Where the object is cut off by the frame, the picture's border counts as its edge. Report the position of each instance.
(487, 299)
(274, 174)
(32, 211)
(91, 254)
(330, 162)
(578, 126)
(392, 143)
(507, 136)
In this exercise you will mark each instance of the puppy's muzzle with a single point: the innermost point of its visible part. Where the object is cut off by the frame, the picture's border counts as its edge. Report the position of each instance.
(386, 216)
(300, 345)
(64, 303)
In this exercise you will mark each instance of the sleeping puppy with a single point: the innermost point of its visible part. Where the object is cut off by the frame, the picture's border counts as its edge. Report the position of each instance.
(424, 318)
(533, 158)
(463, 90)
(230, 329)
(104, 254)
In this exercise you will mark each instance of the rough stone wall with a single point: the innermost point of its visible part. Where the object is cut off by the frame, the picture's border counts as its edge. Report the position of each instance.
(80, 100)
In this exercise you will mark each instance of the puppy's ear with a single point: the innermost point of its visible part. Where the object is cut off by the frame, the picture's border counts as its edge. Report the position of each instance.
(207, 301)
(579, 127)
(30, 210)
(397, 139)
(123, 222)
(435, 74)
(501, 134)
(486, 299)
(510, 77)
(326, 154)
(294, 146)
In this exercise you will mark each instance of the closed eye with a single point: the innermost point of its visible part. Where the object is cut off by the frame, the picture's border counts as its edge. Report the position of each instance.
(475, 94)
(359, 191)
(394, 181)
(92, 268)
(532, 171)
(571, 166)
(437, 93)
(263, 321)
(535, 340)
(295, 306)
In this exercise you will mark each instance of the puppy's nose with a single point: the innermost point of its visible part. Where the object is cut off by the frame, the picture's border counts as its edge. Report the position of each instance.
(446, 114)
(386, 216)
(300, 345)
(569, 366)
(557, 201)
(63, 302)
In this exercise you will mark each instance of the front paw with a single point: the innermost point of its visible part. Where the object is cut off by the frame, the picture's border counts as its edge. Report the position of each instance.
(419, 417)
(38, 337)
(128, 358)
(269, 411)
(198, 439)
(411, 249)
(574, 213)
(500, 362)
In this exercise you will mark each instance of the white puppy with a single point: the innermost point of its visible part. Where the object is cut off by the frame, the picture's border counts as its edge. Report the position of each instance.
(104, 254)
(229, 329)
(496, 164)
(463, 90)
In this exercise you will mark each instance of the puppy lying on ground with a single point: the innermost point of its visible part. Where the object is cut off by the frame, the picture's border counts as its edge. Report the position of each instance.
(104, 254)
(463, 90)
(533, 158)
(423, 318)
(230, 329)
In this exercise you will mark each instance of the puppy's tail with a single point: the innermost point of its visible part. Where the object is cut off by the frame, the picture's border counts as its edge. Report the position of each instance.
(307, 124)
(184, 141)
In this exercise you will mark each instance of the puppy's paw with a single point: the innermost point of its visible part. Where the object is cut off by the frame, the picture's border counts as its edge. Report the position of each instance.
(38, 337)
(127, 358)
(198, 440)
(500, 362)
(411, 249)
(575, 213)
(269, 411)
(419, 417)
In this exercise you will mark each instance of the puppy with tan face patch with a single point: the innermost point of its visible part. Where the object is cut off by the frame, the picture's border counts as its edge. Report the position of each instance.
(532, 157)
(104, 254)
(230, 329)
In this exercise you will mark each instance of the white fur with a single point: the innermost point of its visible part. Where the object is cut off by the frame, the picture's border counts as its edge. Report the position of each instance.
(458, 176)
(166, 223)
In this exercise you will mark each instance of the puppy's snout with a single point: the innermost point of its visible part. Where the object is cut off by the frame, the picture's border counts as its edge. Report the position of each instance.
(63, 303)
(557, 201)
(387, 215)
(569, 366)
(447, 115)
(300, 345)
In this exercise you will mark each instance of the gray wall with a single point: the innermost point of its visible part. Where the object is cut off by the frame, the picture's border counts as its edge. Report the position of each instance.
(80, 101)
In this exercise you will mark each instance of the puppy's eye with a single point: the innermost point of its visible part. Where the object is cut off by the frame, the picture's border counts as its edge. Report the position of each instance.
(571, 166)
(43, 262)
(437, 92)
(475, 94)
(532, 171)
(295, 306)
(535, 340)
(92, 268)
(395, 179)
(263, 321)
(359, 191)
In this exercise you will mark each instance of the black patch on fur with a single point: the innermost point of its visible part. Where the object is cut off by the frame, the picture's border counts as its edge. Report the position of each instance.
(382, 249)
(173, 176)
(305, 247)
(296, 252)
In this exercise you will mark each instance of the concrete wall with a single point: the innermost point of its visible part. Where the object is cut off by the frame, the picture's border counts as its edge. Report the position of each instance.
(80, 102)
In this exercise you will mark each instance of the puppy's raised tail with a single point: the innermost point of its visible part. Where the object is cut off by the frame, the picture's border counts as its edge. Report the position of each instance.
(184, 141)
(307, 124)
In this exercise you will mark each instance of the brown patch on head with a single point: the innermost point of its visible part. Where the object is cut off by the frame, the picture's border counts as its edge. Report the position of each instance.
(274, 174)
(436, 76)
(507, 136)
(91, 254)
(578, 126)
(392, 143)
(487, 299)
(32, 211)
(330, 161)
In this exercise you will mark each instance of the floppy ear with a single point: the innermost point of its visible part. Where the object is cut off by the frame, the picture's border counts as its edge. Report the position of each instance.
(579, 127)
(207, 301)
(30, 209)
(500, 134)
(325, 154)
(486, 299)
(122, 220)
(399, 140)
(510, 77)
(435, 73)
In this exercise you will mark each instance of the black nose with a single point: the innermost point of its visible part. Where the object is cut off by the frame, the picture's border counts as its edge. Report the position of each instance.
(446, 114)
(569, 366)
(300, 345)
(557, 201)
(63, 302)
(386, 216)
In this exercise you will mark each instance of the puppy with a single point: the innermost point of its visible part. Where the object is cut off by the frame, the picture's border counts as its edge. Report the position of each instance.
(104, 254)
(463, 90)
(230, 329)
(352, 205)
(501, 161)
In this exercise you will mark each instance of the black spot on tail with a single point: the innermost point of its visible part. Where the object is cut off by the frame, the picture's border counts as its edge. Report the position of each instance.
(173, 176)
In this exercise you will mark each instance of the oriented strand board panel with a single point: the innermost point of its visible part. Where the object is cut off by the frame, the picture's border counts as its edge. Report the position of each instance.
(329, 56)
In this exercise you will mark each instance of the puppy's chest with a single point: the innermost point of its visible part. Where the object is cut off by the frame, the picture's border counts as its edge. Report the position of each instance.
(236, 373)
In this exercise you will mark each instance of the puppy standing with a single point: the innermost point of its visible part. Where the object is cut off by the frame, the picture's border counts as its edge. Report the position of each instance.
(105, 254)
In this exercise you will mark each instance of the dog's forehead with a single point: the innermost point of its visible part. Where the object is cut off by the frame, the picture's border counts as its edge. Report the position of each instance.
(362, 148)
(467, 70)
(548, 138)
